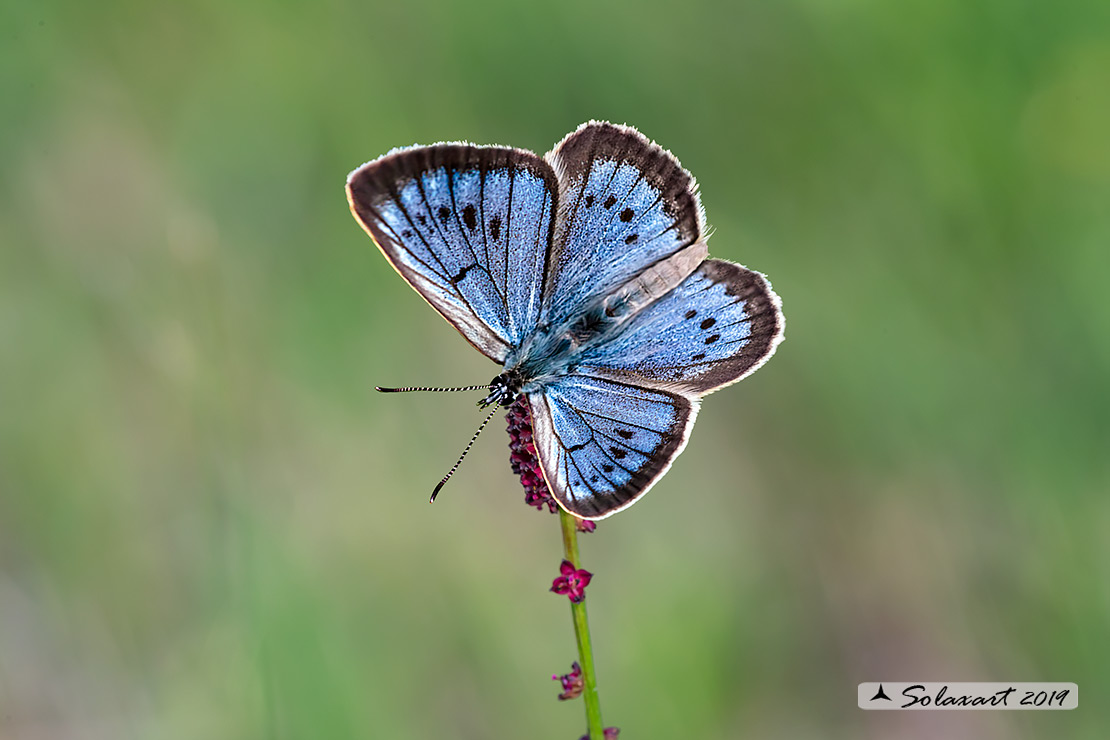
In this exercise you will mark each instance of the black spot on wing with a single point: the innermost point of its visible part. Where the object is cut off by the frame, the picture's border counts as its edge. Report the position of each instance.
(470, 217)
(631, 238)
(457, 277)
(444, 213)
(691, 314)
(626, 433)
(495, 227)
(708, 323)
(589, 201)
(712, 339)
(610, 201)
(627, 214)
(618, 452)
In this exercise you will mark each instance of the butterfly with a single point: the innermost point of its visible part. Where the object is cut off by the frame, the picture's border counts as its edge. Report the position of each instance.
(585, 275)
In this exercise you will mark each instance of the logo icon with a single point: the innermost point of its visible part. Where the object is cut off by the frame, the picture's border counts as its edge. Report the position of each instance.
(880, 694)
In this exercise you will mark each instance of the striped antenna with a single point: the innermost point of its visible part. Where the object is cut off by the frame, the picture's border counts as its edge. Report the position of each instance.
(380, 389)
(459, 461)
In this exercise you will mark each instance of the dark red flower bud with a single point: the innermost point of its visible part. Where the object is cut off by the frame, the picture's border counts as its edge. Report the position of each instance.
(572, 582)
(522, 457)
(572, 682)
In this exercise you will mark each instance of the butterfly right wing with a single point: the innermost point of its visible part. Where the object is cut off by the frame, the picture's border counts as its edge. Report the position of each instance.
(606, 432)
(716, 327)
(602, 444)
(626, 205)
(469, 228)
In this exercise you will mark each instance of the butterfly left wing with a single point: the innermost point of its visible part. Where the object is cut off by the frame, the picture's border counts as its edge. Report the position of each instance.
(603, 444)
(716, 327)
(469, 227)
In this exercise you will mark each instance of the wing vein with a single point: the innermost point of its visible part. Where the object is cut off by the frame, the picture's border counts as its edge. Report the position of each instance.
(621, 421)
(432, 219)
(442, 272)
(458, 222)
(508, 232)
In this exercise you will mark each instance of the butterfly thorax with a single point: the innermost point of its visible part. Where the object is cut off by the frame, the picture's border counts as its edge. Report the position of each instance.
(553, 352)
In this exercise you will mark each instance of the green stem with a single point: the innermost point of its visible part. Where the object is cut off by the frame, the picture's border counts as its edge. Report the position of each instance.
(582, 634)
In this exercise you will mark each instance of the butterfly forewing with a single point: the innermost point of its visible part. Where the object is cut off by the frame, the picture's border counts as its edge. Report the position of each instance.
(716, 327)
(603, 444)
(469, 228)
(625, 205)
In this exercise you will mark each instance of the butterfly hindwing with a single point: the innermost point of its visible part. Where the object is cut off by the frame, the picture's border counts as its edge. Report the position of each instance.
(625, 204)
(716, 327)
(469, 228)
(603, 444)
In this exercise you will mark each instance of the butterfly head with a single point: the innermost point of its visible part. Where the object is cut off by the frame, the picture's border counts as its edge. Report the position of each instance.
(503, 389)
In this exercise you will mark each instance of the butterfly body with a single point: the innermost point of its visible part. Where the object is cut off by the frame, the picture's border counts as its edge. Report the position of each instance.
(585, 276)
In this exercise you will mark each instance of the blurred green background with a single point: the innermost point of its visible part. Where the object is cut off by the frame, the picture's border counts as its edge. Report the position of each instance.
(212, 527)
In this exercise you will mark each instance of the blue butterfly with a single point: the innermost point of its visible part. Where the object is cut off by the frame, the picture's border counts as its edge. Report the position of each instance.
(585, 275)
